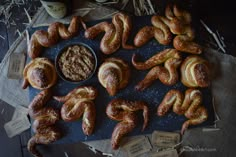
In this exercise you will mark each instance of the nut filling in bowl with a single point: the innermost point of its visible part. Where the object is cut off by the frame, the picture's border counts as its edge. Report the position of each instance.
(77, 63)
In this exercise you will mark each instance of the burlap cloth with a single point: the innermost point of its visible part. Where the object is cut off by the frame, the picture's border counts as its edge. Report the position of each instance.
(195, 141)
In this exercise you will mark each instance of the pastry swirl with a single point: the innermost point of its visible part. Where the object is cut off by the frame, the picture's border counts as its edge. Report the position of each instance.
(195, 72)
(113, 75)
(40, 73)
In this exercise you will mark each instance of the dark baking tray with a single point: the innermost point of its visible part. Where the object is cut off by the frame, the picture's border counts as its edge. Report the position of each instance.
(152, 95)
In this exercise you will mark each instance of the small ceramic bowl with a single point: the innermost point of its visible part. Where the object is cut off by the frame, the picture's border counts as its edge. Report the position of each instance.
(59, 71)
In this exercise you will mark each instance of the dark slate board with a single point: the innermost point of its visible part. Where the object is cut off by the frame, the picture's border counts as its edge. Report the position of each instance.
(152, 95)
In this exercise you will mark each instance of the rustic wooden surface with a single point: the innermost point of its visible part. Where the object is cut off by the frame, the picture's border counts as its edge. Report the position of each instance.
(218, 16)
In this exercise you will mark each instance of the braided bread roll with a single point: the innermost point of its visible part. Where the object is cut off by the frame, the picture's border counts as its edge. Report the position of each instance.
(79, 102)
(113, 75)
(44, 122)
(55, 32)
(124, 111)
(195, 72)
(188, 104)
(40, 73)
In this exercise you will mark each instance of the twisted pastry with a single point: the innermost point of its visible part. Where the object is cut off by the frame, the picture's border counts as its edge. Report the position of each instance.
(55, 31)
(180, 24)
(43, 125)
(116, 33)
(40, 73)
(113, 75)
(189, 105)
(195, 72)
(159, 30)
(124, 111)
(79, 102)
(176, 21)
(168, 74)
(157, 59)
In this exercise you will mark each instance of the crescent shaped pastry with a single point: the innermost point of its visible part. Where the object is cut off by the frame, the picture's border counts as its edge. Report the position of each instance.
(195, 72)
(40, 73)
(113, 75)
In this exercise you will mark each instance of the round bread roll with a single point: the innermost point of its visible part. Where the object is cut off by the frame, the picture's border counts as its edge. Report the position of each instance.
(113, 75)
(40, 73)
(195, 72)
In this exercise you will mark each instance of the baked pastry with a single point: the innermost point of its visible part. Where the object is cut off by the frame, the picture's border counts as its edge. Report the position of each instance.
(40, 73)
(175, 21)
(55, 32)
(167, 74)
(124, 111)
(195, 72)
(44, 122)
(188, 105)
(160, 31)
(113, 75)
(116, 33)
(157, 59)
(180, 25)
(79, 102)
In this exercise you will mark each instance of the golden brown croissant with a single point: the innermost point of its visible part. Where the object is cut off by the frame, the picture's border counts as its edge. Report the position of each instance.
(168, 74)
(176, 21)
(124, 111)
(77, 103)
(113, 75)
(189, 105)
(116, 33)
(44, 122)
(55, 31)
(40, 73)
(195, 72)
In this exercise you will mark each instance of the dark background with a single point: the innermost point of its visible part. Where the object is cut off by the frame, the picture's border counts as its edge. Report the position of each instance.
(218, 15)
